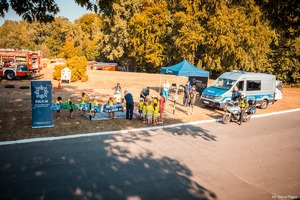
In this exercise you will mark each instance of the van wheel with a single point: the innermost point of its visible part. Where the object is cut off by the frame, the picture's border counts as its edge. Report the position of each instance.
(10, 75)
(264, 104)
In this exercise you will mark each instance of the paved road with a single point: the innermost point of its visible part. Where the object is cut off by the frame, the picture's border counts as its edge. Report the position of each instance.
(258, 160)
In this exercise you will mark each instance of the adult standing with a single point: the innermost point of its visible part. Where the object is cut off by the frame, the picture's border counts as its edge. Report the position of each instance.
(129, 104)
(145, 92)
(118, 92)
(187, 90)
(166, 88)
(243, 105)
(192, 99)
(162, 101)
(235, 93)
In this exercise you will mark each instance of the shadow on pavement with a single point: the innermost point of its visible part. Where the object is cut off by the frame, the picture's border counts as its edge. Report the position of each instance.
(94, 168)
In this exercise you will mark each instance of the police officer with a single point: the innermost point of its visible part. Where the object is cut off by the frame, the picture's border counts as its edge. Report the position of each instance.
(187, 90)
(242, 105)
(129, 105)
(235, 93)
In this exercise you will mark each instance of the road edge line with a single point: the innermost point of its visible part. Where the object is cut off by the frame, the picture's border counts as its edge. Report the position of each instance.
(31, 140)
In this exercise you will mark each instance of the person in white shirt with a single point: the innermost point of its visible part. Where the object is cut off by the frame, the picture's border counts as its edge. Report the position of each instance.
(166, 88)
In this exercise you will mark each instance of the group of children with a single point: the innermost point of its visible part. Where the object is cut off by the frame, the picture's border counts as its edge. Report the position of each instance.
(92, 100)
(84, 102)
(149, 110)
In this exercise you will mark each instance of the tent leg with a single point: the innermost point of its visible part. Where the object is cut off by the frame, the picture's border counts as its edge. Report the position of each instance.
(160, 86)
(174, 106)
(175, 97)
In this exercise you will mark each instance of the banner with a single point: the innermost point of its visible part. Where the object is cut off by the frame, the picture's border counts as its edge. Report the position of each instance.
(200, 82)
(41, 104)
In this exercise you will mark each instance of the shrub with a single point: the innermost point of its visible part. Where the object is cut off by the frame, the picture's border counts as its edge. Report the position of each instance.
(57, 72)
(78, 67)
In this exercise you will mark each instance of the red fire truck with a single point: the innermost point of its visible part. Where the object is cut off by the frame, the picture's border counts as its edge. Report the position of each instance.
(19, 63)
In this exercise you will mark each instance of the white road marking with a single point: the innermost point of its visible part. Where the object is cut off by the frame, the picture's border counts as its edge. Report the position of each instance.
(132, 130)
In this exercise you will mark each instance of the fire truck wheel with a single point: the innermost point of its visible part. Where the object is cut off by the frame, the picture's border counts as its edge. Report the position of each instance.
(10, 75)
(9, 86)
(24, 87)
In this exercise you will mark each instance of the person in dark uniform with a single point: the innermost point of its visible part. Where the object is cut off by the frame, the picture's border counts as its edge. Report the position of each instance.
(235, 93)
(129, 104)
(187, 90)
(243, 105)
(145, 92)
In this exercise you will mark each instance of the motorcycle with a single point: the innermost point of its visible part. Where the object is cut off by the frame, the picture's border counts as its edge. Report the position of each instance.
(233, 112)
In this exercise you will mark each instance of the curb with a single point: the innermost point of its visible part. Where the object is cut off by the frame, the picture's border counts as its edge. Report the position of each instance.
(132, 130)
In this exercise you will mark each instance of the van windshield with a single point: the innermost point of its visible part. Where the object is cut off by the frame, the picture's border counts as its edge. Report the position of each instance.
(224, 83)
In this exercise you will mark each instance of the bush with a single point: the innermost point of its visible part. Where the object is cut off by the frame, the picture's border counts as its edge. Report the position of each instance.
(78, 67)
(57, 72)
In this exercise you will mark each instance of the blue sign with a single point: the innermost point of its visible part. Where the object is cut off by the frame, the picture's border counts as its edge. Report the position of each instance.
(41, 104)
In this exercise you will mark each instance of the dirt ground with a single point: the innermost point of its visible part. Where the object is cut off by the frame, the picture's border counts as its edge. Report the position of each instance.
(15, 115)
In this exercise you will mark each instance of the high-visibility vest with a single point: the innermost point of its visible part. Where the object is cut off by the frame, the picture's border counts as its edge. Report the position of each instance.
(242, 103)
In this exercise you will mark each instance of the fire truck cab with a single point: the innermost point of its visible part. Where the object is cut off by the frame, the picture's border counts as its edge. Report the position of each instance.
(19, 63)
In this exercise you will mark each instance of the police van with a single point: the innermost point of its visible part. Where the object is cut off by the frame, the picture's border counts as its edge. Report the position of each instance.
(258, 86)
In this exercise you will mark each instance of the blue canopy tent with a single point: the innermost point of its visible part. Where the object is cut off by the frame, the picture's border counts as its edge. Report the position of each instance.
(184, 68)
(196, 76)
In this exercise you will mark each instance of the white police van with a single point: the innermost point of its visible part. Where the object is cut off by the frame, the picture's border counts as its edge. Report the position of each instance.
(258, 86)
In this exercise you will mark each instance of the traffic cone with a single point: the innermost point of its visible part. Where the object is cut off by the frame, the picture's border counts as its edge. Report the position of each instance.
(59, 86)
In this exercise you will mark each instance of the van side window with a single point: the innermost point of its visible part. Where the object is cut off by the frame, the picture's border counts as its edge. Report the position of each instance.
(253, 85)
(240, 85)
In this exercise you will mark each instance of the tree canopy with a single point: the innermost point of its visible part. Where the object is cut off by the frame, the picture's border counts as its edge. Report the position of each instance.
(145, 35)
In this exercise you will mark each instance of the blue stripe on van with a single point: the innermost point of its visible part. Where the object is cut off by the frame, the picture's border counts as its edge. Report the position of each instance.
(257, 97)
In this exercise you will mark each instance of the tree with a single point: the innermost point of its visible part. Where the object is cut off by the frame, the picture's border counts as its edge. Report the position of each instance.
(45, 10)
(58, 36)
(238, 39)
(149, 31)
(31, 10)
(69, 50)
(116, 38)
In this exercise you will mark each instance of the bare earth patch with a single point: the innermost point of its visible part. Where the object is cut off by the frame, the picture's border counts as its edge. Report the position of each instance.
(15, 115)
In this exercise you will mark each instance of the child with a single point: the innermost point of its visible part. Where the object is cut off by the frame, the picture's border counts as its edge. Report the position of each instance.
(155, 114)
(111, 103)
(84, 101)
(59, 104)
(155, 100)
(70, 102)
(141, 104)
(150, 111)
(95, 103)
(144, 111)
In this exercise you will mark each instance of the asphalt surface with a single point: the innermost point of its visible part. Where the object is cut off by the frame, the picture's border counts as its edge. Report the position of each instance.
(258, 160)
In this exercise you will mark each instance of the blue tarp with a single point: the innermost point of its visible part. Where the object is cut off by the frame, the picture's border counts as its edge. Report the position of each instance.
(184, 68)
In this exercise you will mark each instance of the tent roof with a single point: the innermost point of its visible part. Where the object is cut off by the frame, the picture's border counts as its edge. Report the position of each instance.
(184, 68)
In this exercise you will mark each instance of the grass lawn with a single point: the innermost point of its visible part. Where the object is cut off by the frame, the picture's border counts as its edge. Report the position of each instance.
(15, 115)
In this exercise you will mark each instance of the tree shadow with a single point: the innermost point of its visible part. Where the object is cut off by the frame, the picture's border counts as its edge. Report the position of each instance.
(95, 168)
(191, 130)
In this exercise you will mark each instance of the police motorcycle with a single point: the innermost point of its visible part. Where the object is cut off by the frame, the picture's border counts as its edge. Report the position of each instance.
(233, 111)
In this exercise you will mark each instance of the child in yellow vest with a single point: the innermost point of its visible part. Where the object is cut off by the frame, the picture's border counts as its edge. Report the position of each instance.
(84, 101)
(155, 100)
(111, 103)
(155, 114)
(144, 111)
(58, 103)
(141, 104)
(150, 111)
(95, 103)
